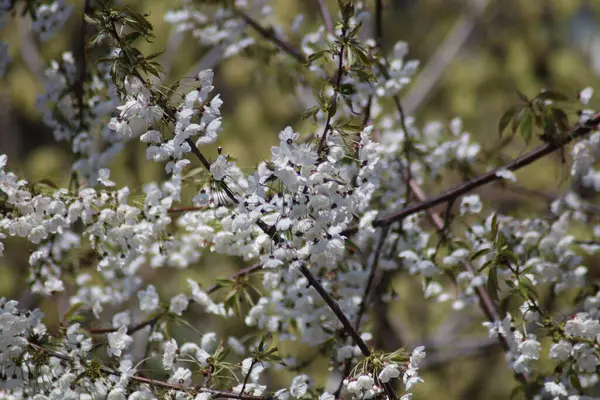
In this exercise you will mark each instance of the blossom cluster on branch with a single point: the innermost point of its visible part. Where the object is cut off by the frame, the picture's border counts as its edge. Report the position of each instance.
(327, 222)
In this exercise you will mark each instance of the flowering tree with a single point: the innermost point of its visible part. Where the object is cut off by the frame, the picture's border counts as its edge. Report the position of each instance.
(327, 223)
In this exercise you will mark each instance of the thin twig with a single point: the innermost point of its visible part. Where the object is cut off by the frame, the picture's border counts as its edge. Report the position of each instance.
(254, 360)
(373, 269)
(491, 176)
(335, 307)
(131, 329)
(270, 35)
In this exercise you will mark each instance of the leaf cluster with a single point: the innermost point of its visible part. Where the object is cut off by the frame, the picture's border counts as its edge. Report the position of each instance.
(123, 28)
(539, 115)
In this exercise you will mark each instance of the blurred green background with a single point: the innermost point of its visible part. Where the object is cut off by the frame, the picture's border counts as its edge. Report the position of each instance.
(475, 55)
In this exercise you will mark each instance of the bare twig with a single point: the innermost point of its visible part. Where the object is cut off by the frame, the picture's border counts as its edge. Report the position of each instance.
(372, 272)
(131, 329)
(270, 35)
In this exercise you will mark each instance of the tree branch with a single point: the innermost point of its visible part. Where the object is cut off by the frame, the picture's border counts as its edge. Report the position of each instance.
(270, 35)
(485, 302)
(335, 307)
(491, 176)
(153, 382)
(131, 329)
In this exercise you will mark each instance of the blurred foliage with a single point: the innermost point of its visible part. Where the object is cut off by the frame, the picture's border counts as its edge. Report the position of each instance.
(524, 45)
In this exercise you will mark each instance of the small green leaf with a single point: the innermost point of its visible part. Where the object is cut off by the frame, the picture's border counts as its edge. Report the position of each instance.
(526, 128)
(507, 117)
(494, 225)
(575, 382)
(91, 20)
(516, 120)
(561, 119)
(492, 283)
(518, 393)
(480, 253)
(526, 284)
(72, 311)
(317, 55)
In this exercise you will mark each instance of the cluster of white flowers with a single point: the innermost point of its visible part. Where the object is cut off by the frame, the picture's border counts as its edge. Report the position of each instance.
(217, 26)
(72, 114)
(311, 213)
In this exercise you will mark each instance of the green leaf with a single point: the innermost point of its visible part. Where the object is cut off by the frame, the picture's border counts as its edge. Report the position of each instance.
(72, 310)
(507, 117)
(315, 56)
(510, 257)
(485, 265)
(575, 382)
(561, 119)
(47, 182)
(132, 37)
(526, 128)
(154, 55)
(91, 20)
(516, 121)
(527, 286)
(518, 393)
(494, 225)
(479, 253)
(492, 283)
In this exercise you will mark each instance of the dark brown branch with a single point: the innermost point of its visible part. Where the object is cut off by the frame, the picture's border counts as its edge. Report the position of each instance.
(131, 329)
(270, 35)
(335, 307)
(372, 272)
(491, 176)
(184, 209)
(378, 22)
(348, 328)
(153, 382)
(485, 301)
(363, 304)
